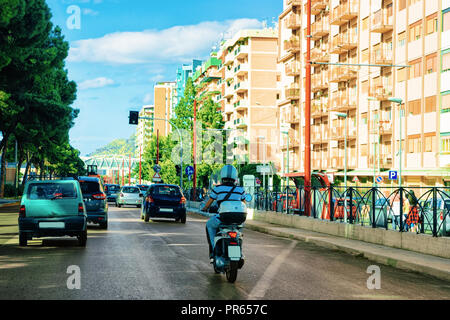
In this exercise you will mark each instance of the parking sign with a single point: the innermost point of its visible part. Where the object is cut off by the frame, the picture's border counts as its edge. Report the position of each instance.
(393, 175)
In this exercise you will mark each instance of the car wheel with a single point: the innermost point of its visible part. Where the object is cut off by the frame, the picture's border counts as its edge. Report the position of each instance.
(147, 218)
(82, 239)
(139, 206)
(104, 225)
(23, 240)
(183, 219)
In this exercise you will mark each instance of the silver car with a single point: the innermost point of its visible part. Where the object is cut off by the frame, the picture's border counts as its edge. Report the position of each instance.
(129, 195)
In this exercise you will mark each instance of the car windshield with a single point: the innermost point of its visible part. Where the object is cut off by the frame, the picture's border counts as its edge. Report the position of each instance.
(113, 188)
(166, 190)
(51, 191)
(130, 190)
(88, 187)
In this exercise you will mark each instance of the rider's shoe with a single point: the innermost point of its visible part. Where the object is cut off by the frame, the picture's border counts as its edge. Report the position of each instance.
(241, 263)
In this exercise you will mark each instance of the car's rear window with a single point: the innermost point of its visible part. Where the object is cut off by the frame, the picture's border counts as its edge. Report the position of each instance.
(88, 187)
(113, 188)
(130, 190)
(51, 191)
(166, 190)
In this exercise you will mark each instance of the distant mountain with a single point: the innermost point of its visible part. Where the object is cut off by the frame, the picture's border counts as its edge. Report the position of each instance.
(117, 147)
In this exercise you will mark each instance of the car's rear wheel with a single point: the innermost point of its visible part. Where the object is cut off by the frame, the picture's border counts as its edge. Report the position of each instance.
(147, 218)
(183, 219)
(104, 225)
(23, 240)
(82, 239)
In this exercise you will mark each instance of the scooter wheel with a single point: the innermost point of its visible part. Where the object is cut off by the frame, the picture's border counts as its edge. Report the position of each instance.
(232, 272)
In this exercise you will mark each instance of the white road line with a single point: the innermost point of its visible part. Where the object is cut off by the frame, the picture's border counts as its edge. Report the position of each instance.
(264, 283)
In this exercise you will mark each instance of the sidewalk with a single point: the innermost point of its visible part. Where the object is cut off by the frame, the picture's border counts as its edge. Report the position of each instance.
(8, 221)
(398, 258)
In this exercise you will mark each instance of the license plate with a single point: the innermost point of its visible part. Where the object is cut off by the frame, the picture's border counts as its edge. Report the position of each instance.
(51, 225)
(165, 210)
(234, 252)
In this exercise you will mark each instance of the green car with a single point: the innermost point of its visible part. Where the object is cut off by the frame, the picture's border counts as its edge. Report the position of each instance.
(52, 208)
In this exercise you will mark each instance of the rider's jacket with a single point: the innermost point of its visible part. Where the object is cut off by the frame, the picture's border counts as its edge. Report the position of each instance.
(219, 192)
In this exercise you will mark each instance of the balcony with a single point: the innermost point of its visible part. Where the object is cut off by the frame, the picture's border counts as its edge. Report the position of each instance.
(241, 69)
(386, 161)
(241, 105)
(294, 3)
(343, 73)
(320, 54)
(381, 89)
(381, 22)
(292, 93)
(320, 28)
(229, 59)
(337, 162)
(385, 127)
(318, 5)
(319, 107)
(293, 21)
(241, 87)
(344, 12)
(293, 68)
(293, 116)
(241, 52)
(382, 55)
(343, 100)
(319, 81)
(344, 42)
(292, 45)
(240, 123)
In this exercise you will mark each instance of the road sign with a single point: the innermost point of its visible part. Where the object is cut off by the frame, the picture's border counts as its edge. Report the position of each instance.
(258, 182)
(393, 175)
(379, 179)
(157, 168)
(157, 177)
(355, 179)
(189, 170)
(264, 169)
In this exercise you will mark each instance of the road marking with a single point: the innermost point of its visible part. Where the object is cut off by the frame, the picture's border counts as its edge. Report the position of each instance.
(259, 291)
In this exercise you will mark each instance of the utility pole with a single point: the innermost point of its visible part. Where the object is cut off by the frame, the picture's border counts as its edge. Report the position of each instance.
(157, 146)
(194, 183)
(140, 165)
(129, 171)
(307, 163)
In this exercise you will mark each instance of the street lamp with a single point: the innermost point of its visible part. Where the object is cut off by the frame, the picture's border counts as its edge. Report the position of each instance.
(285, 130)
(399, 102)
(345, 116)
(374, 146)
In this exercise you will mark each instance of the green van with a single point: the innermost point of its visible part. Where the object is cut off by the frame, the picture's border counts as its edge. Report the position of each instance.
(52, 208)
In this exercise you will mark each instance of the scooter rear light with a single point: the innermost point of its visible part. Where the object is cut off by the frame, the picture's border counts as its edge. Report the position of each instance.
(232, 234)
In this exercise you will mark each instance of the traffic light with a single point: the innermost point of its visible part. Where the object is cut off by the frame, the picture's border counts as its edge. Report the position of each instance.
(178, 167)
(134, 117)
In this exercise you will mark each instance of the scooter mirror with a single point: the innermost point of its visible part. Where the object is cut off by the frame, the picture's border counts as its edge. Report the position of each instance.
(248, 197)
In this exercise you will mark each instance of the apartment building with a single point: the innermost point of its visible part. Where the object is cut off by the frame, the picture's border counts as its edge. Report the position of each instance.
(164, 102)
(144, 130)
(386, 33)
(183, 74)
(249, 93)
(206, 80)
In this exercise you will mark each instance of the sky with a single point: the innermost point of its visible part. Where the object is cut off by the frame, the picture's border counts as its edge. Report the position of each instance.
(119, 49)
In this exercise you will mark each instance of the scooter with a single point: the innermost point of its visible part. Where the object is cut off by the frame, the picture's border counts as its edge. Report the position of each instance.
(227, 255)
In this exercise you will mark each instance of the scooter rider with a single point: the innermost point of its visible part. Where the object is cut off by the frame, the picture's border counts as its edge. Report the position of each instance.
(227, 190)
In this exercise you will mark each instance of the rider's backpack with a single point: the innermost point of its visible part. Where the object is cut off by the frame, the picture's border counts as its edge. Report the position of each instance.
(232, 211)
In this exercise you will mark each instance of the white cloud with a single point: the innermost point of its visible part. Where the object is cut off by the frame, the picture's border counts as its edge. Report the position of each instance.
(90, 12)
(96, 83)
(179, 43)
(148, 98)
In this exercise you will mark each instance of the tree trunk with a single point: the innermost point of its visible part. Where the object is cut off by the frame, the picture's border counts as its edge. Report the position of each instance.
(27, 169)
(3, 167)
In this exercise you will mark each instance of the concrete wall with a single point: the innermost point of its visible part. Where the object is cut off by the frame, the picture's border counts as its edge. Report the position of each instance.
(403, 240)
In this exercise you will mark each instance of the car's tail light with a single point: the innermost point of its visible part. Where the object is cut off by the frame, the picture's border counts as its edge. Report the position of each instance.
(22, 212)
(183, 200)
(232, 234)
(442, 215)
(80, 208)
(122, 195)
(99, 196)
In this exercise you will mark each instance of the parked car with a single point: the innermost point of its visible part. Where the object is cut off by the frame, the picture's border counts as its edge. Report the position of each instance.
(129, 195)
(443, 216)
(95, 200)
(112, 190)
(52, 209)
(165, 201)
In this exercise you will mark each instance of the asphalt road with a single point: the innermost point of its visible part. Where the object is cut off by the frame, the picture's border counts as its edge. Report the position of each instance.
(168, 260)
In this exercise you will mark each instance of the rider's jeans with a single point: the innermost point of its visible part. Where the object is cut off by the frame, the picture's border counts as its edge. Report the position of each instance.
(212, 226)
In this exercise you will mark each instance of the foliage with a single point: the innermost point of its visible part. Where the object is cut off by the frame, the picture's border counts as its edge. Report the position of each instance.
(117, 147)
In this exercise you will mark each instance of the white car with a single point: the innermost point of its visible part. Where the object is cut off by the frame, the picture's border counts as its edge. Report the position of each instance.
(129, 195)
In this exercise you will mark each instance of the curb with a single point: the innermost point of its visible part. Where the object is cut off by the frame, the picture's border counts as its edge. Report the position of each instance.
(322, 241)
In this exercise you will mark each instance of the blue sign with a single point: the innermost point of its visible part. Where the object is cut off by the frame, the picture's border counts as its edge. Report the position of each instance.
(379, 179)
(393, 175)
(189, 171)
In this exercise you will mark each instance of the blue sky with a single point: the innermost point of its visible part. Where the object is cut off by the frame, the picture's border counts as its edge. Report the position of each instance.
(123, 47)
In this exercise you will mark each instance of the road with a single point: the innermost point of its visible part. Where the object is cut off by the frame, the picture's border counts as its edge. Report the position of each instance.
(169, 261)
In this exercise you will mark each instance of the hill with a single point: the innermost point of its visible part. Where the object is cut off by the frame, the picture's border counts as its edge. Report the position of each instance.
(117, 147)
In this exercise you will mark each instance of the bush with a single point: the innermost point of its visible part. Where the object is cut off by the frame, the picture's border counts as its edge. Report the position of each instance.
(10, 191)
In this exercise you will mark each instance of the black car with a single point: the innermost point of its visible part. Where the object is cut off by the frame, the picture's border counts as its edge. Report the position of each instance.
(164, 201)
(94, 198)
(111, 191)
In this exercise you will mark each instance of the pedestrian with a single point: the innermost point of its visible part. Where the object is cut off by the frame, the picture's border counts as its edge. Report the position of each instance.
(395, 207)
(413, 217)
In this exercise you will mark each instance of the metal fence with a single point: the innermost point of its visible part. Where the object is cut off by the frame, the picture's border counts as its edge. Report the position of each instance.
(414, 209)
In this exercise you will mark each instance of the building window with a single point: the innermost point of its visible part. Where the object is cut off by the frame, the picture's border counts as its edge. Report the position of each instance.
(445, 102)
(415, 31)
(445, 145)
(446, 21)
(416, 69)
(401, 75)
(363, 149)
(432, 24)
(446, 61)
(430, 142)
(411, 2)
(414, 107)
(414, 144)
(365, 24)
(402, 39)
(401, 4)
(431, 63)
(430, 104)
